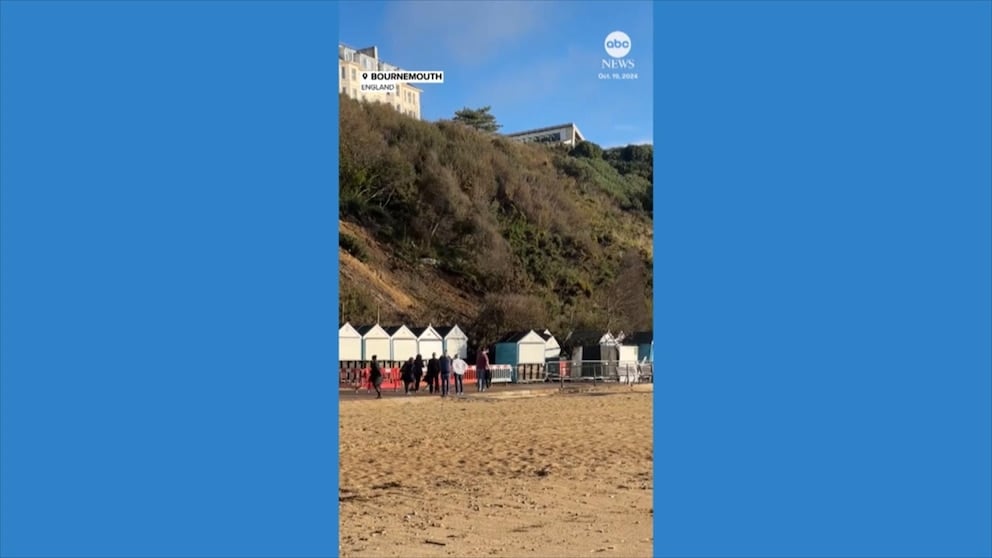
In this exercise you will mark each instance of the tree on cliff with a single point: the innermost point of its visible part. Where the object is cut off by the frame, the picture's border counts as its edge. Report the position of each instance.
(480, 119)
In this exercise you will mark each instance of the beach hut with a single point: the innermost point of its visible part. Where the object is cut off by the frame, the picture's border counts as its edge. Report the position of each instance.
(627, 353)
(628, 368)
(454, 340)
(429, 341)
(524, 351)
(588, 345)
(375, 341)
(402, 343)
(645, 352)
(520, 347)
(349, 344)
(552, 350)
(626, 349)
(594, 353)
(644, 340)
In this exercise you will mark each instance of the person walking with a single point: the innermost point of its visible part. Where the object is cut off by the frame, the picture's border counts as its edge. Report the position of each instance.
(482, 368)
(418, 372)
(433, 371)
(445, 365)
(437, 378)
(406, 373)
(458, 367)
(375, 377)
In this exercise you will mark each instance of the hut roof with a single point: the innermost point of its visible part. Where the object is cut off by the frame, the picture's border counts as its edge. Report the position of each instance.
(418, 331)
(445, 330)
(513, 336)
(584, 337)
(391, 330)
(366, 328)
(639, 338)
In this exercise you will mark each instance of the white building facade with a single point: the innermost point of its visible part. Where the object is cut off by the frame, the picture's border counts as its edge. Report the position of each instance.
(353, 61)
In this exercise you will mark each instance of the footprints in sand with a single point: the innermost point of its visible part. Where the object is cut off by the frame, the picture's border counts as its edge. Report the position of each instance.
(505, 475)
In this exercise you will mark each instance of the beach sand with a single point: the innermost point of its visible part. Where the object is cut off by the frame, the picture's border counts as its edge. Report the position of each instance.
(565, 474)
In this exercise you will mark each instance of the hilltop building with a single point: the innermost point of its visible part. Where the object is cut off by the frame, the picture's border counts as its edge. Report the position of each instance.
(566, 134)
(353, 61)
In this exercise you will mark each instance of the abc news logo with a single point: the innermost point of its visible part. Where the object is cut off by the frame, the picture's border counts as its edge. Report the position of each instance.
(617, 45)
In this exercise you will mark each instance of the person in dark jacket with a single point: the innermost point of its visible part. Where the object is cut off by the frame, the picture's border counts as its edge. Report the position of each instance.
(406, 374)
(375, 377)
(445, 365)
(437, 378)
(418, 372)
(433, 373)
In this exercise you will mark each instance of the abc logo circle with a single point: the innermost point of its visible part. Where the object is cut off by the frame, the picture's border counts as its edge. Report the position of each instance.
(617, 44)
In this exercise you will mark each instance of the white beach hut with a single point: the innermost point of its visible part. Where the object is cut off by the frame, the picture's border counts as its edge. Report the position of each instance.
(349, 343)
(402, 342)
(455, 342)
(551, 347)
(627, 348)
(429, 341)
(375, 341)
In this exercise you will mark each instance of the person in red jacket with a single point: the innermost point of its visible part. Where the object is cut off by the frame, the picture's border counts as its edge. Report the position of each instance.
(482, 368)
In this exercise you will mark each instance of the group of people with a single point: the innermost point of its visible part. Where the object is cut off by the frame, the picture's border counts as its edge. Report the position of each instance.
(437, 373)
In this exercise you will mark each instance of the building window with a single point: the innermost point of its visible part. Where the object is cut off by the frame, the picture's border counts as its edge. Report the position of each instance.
(543, 138)
(354, 74)
(354, 92)
(344, 72)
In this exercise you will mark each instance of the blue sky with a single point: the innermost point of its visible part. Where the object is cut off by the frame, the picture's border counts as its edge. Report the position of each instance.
(535, 62)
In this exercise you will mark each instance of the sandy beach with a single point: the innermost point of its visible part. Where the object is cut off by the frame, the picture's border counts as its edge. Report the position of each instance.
(500, 473)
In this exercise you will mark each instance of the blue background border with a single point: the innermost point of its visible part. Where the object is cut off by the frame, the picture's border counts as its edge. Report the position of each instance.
(169, 281)
(168, 287)
(823, 279)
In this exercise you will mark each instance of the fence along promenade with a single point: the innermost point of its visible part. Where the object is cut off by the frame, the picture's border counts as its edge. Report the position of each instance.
(356, 376)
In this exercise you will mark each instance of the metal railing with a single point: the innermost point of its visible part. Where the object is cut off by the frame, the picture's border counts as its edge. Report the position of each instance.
(355, 373)
(624, 372)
